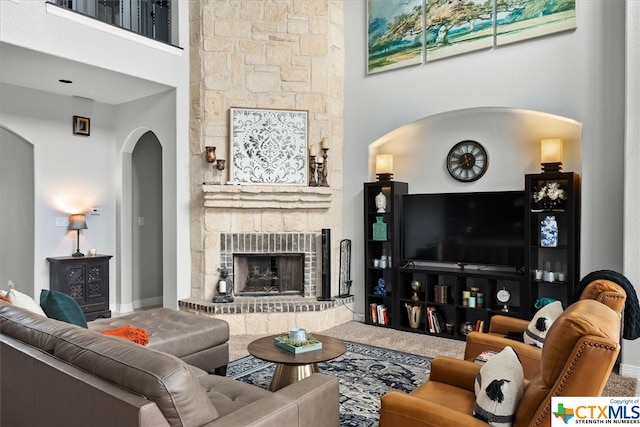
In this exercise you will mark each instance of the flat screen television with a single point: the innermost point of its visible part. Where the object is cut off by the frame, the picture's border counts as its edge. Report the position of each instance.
(483, 229)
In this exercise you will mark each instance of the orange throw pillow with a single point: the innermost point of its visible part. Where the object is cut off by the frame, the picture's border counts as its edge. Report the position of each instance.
(5, 299)
(137, 335)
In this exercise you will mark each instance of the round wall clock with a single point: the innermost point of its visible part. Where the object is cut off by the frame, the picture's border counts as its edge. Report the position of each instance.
(467, 161)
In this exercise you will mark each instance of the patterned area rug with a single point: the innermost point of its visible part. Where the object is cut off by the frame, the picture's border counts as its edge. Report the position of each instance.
(365, 373)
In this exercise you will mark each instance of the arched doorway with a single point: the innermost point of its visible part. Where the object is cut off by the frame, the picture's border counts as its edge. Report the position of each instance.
(146, 211)
(17, 243)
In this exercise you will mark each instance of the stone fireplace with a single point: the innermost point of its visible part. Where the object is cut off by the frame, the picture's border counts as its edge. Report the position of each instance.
(267, 232)
(285, 55)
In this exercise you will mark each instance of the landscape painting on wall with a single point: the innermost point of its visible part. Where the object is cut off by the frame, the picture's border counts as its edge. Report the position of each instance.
(524, 19)
(404, 32)
(395, 34)
(456, 27)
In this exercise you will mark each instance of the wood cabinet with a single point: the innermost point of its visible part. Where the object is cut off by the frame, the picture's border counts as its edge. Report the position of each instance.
(382, 242)
(85, 279)
(553, 269)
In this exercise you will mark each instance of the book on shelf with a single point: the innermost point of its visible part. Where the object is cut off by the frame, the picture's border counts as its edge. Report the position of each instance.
(435, 320)
(379, 314)
(373, 307)
(440, 293)
(479, 326)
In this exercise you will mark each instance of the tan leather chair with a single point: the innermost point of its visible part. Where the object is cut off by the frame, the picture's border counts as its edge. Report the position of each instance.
(604, 291)
(579, 353)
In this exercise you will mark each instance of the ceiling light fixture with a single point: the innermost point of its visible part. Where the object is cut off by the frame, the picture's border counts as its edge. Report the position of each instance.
(65, 81)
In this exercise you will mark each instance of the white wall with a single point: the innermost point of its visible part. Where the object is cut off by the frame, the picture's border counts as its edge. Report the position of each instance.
(631, 349)
(578, 75)
(96, 168)
(70, 171)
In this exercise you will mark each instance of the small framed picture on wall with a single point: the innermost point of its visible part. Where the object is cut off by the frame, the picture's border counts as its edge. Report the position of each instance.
(81, 125)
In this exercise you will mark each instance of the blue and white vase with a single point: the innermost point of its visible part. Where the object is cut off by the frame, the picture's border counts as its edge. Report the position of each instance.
(549, 232)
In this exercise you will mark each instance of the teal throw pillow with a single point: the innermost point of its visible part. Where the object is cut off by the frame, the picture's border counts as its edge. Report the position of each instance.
(59, 306)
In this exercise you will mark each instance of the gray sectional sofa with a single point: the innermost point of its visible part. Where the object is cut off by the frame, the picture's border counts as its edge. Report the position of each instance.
(56, 374)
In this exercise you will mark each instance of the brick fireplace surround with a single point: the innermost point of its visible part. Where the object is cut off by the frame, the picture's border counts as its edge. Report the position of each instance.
(267, 314)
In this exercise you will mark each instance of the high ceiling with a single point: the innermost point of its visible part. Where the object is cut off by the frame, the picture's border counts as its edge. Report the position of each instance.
(35, 70)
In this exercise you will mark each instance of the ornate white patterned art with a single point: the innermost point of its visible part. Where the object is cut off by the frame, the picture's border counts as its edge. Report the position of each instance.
(268, 146)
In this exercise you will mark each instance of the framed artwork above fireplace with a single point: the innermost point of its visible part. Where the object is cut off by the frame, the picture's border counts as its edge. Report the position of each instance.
(269, 146)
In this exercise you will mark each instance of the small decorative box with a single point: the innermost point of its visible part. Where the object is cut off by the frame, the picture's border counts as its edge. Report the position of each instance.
(298, 349)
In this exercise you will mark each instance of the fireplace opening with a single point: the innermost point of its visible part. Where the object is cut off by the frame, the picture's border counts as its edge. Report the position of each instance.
(268, 274)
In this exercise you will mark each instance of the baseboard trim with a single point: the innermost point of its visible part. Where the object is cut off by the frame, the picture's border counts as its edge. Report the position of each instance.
(146, 302)
(629, 370)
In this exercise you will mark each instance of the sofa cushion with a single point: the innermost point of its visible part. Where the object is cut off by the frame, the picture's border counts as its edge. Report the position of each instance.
(499, 387)
(19, 299)
(160, 377)
(59, 306)
(172, 331)
(541, 322)
(230, 395)
(30, 328)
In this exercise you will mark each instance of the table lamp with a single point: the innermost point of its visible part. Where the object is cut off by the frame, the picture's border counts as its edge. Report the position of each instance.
(77, 222)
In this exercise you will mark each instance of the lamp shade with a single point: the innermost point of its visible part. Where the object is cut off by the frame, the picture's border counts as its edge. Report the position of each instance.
(77, 222)
(384, 163)
(551, 150)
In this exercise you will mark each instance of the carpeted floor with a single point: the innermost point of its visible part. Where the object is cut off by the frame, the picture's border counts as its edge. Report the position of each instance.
(365, 372)
(422, 345)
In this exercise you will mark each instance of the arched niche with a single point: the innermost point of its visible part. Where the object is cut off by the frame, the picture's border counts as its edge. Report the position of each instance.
(511, 137)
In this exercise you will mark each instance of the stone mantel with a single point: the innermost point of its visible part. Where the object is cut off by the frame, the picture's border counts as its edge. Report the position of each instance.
(266, 197)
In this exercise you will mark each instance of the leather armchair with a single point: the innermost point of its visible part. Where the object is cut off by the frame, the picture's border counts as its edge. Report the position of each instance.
(604, 291)
(580, 350)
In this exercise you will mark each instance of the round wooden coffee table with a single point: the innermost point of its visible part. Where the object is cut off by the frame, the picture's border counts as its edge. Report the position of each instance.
(291, 367)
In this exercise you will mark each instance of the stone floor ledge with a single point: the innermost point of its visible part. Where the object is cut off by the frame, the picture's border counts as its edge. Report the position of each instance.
(273, 315)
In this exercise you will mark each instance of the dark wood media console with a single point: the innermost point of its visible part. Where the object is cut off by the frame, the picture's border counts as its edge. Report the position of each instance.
(445, 289)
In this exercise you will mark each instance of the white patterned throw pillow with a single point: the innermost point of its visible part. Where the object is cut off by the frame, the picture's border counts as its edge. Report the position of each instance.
(540, 324)
(24, 301)
(499, 387)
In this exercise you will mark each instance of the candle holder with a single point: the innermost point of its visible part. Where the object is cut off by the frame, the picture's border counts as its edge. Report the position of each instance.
(319, 171)
(210, 156)
(312, 167)
(322, 173)
(220, 167)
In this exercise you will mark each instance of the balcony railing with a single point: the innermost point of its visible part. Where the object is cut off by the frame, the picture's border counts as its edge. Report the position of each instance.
(150, 18)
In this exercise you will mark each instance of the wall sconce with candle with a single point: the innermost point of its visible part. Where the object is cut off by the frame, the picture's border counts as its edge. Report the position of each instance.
(551, 155)
(77, 222)
(384, 167)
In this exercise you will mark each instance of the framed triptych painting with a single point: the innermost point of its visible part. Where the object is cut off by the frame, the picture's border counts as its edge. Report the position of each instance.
(533, 18)
(408, 32)
(395, 35)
